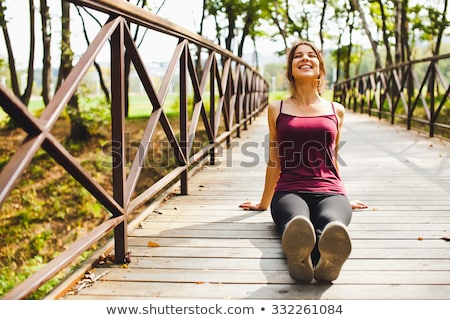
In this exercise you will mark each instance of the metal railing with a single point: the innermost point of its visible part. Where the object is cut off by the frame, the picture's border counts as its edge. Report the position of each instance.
(236, 94)
(416, 93)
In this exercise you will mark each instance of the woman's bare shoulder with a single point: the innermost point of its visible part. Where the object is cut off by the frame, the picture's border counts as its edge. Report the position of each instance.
(273, 111)
(275, 104)
(274, 107)
(340, 109)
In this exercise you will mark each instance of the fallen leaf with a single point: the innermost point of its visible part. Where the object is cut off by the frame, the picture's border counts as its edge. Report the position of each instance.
(152, 244)
(420, 238)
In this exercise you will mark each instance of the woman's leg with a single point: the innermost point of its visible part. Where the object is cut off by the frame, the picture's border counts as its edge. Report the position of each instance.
(291, 215)
(287, 205)
(330, 208)
(332, 214)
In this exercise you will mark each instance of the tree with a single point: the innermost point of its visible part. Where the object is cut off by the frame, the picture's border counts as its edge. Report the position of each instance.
(277, 14)
(78, 130)
(46, 60)
(357, 7)
(432, 21)
(103, 85)
(25, 96)
(239, 18)
(386, 33)
(402, 49)
(442, 24)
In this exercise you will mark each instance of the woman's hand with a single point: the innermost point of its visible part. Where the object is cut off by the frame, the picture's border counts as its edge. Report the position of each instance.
(358, 204)
(248, 205)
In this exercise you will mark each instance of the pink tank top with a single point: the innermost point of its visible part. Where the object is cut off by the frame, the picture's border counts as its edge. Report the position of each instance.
(306, 146)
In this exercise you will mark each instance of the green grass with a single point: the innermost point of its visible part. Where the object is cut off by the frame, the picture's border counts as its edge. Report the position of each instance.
(140, 106)
(35, 106)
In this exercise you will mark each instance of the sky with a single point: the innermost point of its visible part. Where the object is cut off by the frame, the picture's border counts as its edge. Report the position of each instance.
(186, 13)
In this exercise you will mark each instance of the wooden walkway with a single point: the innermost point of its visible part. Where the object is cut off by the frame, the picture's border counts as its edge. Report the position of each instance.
(202, 246)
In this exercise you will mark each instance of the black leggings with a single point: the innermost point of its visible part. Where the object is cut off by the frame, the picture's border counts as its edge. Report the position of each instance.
(319, 208)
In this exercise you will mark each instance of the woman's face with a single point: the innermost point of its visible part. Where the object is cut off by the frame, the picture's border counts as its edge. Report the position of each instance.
(305, 62)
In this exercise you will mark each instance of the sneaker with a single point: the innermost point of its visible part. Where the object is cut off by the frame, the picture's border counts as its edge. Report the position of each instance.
(298, 241)
(334, 247)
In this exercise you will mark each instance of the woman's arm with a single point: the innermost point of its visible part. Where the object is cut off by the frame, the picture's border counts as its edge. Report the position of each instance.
(273, 164)
(340, 112)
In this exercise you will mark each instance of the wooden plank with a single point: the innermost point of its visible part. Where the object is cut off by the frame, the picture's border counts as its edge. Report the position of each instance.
(277, 253)
(257, 226)
(202, 276)
(164, 290)
(275, 243)
(187, 214)
(196, 242)
(235, 263)
(244, 234)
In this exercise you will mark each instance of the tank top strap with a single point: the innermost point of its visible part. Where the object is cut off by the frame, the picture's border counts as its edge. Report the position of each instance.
(278, 117)
(335, 115)
(334, 110)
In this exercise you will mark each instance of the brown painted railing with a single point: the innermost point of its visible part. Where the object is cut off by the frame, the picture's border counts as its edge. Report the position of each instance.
(412, 92)
(236, 94)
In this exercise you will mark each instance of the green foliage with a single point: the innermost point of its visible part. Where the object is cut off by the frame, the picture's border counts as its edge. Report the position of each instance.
(427, 21)
(95, 113)
(278, 95)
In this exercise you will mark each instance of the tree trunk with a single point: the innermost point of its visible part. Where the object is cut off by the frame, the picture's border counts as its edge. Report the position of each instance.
(11, 59)
(15, 85)
(279, 26)
(338, 58)
(245, 33)
(101, 80)
(46, 60)
(348, 59)
(198, 62)
(30, 73)
(389, 60)
(78, 129)
(255, 53)
(231, 26)
(322, 22)
(404, 32)
(373, 43)
(442, 26)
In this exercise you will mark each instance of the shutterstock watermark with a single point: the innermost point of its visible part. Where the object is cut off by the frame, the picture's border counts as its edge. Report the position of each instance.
(248, 154)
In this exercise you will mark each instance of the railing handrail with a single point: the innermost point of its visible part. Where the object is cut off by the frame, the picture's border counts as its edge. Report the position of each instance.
(392, 86)
(396, 66)
(242, 93)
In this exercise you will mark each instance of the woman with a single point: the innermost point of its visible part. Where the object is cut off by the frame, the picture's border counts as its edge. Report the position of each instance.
(303, 188)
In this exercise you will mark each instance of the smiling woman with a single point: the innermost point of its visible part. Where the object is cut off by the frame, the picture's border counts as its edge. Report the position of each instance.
(303, 188)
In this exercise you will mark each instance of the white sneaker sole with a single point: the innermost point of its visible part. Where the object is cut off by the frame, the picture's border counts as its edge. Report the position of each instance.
(298, 241)
(334, 247)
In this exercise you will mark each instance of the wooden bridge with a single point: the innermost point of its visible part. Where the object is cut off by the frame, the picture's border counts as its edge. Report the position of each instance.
(195, 242)
(202, 246)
